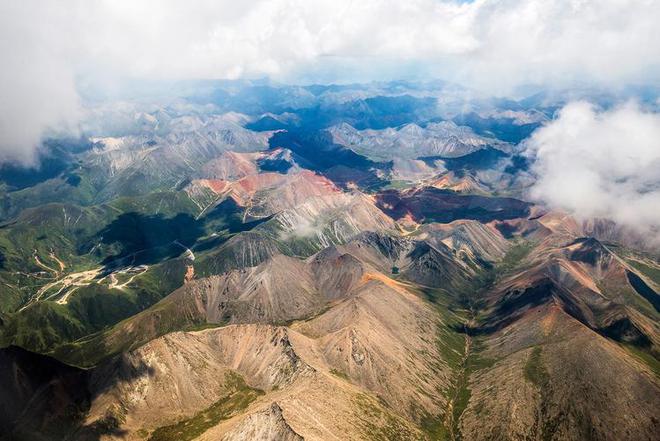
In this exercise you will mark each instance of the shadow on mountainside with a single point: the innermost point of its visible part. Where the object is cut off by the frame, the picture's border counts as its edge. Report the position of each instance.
(145, 239)
(341, 165)
(435, 205)
(45, 399)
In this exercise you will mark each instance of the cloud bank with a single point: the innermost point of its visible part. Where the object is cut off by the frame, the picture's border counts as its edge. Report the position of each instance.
(601, 164)
(494, 45)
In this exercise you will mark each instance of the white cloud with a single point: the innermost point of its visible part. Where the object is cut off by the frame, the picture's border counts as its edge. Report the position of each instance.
(495, 45)
(37, 89)
(562, 43)
(601, 164)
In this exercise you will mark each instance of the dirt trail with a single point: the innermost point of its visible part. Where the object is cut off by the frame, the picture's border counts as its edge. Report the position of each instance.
(134, 271)
(76, 280)
(56, 259)
(65, 298)
(43, 265)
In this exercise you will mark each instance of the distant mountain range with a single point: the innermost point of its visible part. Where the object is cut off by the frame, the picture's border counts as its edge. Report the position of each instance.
(411, 141)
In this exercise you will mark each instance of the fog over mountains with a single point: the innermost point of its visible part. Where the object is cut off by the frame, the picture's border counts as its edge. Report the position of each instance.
(432, 220)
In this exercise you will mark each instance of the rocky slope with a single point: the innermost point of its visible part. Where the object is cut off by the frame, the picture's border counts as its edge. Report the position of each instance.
(568, 316)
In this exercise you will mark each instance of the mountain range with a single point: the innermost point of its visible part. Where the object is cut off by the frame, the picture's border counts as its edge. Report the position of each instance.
(247, 260)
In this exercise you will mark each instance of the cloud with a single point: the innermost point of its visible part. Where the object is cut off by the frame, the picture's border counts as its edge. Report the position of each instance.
(600, 164)
(564, 43)
(37, 89)
(494, 45)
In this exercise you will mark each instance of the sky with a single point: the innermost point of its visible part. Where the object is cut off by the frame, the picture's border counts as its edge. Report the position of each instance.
(50, 49)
